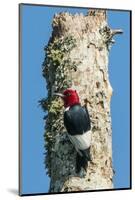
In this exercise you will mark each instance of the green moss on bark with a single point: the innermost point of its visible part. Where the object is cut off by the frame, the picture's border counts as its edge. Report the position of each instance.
(56, 67)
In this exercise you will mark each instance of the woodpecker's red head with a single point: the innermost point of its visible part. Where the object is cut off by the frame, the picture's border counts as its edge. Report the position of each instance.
(70, 97)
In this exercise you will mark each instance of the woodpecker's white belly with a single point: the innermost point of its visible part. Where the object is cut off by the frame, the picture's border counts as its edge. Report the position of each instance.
(81, 142)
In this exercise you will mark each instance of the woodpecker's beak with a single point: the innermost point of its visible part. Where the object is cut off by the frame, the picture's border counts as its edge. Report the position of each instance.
(59, 94)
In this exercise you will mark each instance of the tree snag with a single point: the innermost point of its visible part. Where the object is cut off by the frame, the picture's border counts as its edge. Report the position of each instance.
(77, 57)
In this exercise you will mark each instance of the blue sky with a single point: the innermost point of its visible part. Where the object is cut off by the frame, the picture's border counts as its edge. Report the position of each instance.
(36, 30)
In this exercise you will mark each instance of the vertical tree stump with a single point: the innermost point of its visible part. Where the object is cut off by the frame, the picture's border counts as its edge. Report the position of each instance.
(77, 57)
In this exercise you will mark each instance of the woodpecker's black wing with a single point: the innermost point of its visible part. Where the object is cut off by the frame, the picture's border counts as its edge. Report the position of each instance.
(76, 120)
(88, 117)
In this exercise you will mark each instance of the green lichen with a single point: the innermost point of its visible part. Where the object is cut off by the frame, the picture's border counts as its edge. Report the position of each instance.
(55, 107)
(56, 51)
(56, 68)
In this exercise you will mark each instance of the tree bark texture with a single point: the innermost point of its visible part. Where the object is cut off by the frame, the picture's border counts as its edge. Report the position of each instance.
(77, 57)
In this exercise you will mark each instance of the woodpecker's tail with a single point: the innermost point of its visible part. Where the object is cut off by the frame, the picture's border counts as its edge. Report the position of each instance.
(82, 160)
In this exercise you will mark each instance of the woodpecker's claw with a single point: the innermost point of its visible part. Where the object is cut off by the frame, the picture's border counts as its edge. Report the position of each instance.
(86, 101)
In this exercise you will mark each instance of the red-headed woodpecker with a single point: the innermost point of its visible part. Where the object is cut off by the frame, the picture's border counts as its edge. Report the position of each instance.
(77, 123)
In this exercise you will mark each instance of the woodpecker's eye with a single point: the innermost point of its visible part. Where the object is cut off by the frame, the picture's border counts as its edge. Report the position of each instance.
(68, 94)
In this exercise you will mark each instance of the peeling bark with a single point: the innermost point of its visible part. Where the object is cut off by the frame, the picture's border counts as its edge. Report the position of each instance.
(77, 57)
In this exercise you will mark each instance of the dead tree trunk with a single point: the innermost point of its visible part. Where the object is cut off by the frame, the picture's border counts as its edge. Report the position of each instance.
(77, 57)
